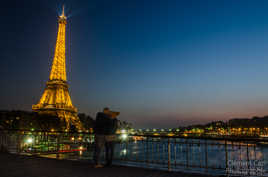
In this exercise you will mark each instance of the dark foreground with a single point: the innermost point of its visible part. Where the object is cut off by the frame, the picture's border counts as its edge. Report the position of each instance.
(29, 166)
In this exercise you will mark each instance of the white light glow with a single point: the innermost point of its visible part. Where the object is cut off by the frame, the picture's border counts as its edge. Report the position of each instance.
(29, 140)
(124, 136)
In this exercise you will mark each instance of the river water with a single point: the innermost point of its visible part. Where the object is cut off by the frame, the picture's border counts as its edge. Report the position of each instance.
(193, 155)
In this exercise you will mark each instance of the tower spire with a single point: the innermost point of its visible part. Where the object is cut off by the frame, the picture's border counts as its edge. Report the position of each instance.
(63, 15)
(58, 71)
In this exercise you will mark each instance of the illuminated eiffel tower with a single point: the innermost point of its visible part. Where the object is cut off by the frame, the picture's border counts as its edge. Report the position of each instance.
(56, 99)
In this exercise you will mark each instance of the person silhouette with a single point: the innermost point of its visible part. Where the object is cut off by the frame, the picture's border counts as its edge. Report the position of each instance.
(104, 130)
(111, 137)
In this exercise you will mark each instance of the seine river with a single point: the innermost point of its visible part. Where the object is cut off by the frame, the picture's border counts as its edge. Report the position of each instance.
(193, 155)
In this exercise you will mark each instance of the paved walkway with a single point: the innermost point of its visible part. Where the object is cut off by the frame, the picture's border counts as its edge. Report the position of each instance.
(28, 166)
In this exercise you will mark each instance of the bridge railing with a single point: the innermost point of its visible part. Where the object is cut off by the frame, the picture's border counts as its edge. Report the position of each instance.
(170, 153)
(176, 153)
(44, 142)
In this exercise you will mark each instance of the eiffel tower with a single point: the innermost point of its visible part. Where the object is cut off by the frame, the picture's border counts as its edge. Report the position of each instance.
(56, 100)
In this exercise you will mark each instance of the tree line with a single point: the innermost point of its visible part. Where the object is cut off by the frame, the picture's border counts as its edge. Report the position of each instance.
(27, 120)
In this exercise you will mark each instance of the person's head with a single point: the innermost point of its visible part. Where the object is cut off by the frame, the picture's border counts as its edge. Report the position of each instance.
(114, 114)
(106, 110)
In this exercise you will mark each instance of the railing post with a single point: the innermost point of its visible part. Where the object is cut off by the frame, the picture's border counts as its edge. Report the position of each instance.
(169, 155)
(248, 161)
(18, 142)
(126, 155)
(58, 144)
(175, 153)
(44, 141)
(147, 150)
(158, 151)
(137, 150)
(34, 141)
(47, 134)
(152, 150)
(200, 155)
(3, 140)
(206, 155)
(187, 153)
(163, 153)
(226, 157)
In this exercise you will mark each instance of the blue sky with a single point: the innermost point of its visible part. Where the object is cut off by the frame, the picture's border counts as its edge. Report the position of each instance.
(161, 63)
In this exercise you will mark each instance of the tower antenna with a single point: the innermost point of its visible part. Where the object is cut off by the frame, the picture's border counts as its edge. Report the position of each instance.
(63, 10)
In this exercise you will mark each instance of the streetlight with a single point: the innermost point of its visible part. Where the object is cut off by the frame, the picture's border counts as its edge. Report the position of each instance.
(29, 140)
(124, 136)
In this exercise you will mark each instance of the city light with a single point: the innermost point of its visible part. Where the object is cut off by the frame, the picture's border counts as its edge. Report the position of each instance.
(124, 151)
(124, 136)
(29, 140)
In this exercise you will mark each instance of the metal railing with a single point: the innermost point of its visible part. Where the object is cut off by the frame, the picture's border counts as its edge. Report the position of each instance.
(170, 153)
(44, 142)
(174, 153)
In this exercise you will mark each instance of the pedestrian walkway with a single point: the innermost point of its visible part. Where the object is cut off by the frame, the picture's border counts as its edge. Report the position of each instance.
(12, 165)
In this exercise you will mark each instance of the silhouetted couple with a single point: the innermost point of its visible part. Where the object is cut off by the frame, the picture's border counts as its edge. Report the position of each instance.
(105, 129)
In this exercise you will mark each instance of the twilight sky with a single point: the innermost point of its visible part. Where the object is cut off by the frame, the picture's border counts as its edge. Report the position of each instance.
(161, 63)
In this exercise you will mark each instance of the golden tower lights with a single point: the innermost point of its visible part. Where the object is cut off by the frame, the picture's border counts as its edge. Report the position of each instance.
(56, 99)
